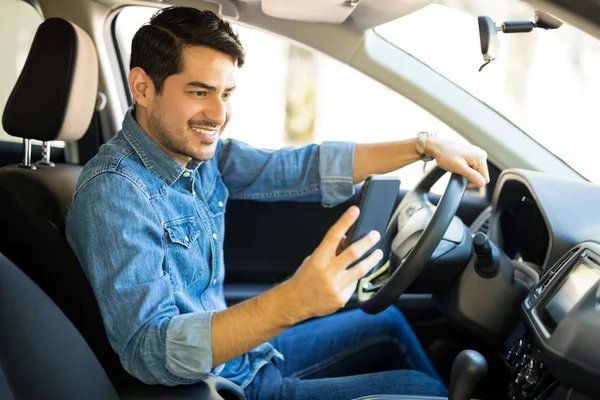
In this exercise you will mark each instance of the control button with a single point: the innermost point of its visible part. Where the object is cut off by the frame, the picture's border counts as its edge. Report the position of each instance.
(522, 362)
(215, 236)
(516, 354)
(532, 374)
(520, 379)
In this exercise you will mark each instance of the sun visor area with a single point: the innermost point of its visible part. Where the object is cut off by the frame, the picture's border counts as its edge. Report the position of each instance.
(329, 11)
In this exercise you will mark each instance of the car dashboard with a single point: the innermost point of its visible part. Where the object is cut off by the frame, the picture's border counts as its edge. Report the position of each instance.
(550, 229)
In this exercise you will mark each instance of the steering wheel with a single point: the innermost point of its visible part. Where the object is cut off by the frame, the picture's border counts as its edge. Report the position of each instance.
(378, 291)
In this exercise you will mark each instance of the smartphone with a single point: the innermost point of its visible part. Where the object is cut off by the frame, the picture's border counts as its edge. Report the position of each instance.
(376, 202)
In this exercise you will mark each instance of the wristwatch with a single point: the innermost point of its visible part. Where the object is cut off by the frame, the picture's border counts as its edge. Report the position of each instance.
(420, 145)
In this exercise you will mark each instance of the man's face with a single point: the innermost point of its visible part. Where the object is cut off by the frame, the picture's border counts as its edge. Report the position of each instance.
(190, 114)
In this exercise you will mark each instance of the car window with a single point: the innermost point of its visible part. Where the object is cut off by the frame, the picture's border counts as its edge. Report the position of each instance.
(288, 95)
(546, 82)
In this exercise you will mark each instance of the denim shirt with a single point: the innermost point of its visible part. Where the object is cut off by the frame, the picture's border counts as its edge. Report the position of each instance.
(149, 234)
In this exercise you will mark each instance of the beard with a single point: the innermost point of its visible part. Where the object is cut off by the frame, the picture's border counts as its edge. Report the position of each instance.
(173, 139)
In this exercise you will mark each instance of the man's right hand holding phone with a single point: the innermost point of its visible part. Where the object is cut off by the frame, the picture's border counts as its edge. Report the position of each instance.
(323, 284)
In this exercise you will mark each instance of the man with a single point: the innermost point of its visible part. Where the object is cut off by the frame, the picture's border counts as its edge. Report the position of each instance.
(147, 225)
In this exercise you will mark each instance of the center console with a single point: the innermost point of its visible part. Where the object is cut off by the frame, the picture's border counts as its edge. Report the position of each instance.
(562, 320)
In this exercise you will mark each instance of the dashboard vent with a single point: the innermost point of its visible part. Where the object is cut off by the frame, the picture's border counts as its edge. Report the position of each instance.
(485, 227)
(566, 258)
(483, 222)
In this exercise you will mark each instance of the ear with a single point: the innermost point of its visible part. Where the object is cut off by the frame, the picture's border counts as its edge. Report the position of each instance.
(141, 86)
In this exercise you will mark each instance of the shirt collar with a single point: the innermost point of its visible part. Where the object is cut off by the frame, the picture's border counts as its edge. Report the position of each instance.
(154, 158)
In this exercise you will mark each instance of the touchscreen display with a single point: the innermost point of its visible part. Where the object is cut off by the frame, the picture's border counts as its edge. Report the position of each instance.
(581, 279)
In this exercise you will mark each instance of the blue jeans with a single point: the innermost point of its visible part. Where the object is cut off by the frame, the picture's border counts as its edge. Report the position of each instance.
(345, 356)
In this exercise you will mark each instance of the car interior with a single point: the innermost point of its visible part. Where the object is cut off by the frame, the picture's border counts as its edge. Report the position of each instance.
(501, 285)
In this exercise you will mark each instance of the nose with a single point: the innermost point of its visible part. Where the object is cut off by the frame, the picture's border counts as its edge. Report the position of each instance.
(215, 111)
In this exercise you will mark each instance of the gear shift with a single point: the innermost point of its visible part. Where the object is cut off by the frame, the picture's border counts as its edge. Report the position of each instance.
(467, 370)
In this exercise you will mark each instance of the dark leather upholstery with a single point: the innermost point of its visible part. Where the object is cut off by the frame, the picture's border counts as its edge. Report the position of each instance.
(5, 393)
(42, 356)
(33, 206)
(47, 190)
(399, 397)
(210, 389)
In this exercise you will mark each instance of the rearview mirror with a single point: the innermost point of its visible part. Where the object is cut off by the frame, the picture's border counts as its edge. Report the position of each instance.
(488, 37)
(488, 32)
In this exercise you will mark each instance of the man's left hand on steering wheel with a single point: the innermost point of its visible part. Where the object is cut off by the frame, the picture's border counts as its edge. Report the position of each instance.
(463, 159)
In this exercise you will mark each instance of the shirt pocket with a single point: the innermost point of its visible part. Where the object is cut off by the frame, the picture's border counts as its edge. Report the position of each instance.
(184, 256)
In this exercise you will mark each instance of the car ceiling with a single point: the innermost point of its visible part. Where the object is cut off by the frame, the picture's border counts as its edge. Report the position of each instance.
(363, 14)
(584, 14)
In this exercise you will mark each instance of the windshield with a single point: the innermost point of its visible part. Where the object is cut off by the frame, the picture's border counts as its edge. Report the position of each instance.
(545, 82)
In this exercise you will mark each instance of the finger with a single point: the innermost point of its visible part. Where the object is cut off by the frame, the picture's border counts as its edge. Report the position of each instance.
(357, 249)
(362, 268)
(480, 164)
(337, 231)
(473, 176)
(482, 168)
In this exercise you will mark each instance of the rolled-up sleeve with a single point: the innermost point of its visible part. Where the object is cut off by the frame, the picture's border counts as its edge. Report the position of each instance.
(120, 247)
(310, 173)
(189, 346)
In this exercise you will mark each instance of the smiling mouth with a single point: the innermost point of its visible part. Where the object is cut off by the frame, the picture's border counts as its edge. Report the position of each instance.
(207, 134)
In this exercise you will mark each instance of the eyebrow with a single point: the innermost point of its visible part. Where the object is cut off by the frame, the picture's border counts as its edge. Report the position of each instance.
(206, 86)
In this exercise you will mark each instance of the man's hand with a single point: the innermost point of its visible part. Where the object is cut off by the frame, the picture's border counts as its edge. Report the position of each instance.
(466, 160)
(382, 158)
(322, 284)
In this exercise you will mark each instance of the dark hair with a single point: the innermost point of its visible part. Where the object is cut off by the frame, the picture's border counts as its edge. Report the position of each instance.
(158, 45)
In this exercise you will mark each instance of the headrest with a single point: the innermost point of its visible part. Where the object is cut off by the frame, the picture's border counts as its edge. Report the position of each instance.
(55, 94)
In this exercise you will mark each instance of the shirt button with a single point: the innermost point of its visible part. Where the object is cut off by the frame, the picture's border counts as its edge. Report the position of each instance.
(215, 236)
(220, 204)
(186, 174)
(214, 282)
(187, 239)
